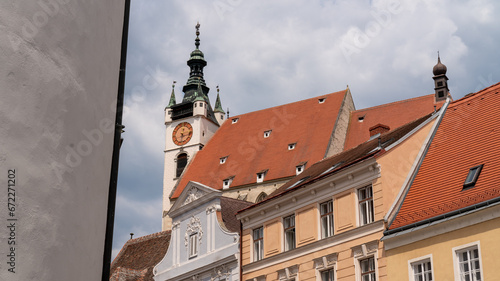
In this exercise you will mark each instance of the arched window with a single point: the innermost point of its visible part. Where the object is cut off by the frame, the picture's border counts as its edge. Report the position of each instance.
(181, 164)
(261, 197)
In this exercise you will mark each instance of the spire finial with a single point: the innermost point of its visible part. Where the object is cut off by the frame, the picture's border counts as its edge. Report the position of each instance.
(172, 101)
(439, 59)
(197, 40)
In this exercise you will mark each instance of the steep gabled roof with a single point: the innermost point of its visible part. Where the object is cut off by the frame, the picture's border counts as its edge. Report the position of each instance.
(138, 256)
(347, 158)
(469, 135)
(229, 207)
(393, 115)
(308, 123)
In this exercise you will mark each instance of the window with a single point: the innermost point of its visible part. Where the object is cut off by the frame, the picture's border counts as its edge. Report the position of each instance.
(365, 197)
(440, 83)
(234, 120)
(291, 146)
(181, 164)
(261, 175)
(326, 210)
(289, 229)
(258, 244)
(472, 176)
(327, 275)
(368, 269)
(441, 94)
(267, 133)
(300, 168)
(469, 264)
(227, 182)
(321, 100)
(261, 197)
(223, 160)
(422, 270)
(193, 245)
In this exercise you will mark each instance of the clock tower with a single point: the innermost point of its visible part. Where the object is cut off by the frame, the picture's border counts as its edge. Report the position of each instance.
(189, 125)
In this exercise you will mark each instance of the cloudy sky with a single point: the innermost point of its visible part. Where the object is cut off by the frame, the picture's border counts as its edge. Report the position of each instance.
(267, 53)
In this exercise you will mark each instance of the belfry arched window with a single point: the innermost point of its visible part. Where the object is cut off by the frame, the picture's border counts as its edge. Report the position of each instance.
(181, 164)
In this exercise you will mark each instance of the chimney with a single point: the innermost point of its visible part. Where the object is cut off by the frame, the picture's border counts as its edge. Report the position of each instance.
(378, 129)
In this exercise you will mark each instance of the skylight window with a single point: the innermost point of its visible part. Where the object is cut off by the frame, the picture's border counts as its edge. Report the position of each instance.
(472, 176)
(332, 168)
(291, 146)
(298, 182)
(267, 133)
(234, 120)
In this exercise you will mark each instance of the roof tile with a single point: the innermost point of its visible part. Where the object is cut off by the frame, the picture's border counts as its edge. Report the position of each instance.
(469, 135)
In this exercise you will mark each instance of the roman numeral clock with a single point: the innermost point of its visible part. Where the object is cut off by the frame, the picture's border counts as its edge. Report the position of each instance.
(182, 133)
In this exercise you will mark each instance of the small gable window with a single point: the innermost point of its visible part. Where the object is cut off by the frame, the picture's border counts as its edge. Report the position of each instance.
(234, 120)
(291, 146)
(261, 175)
(227, 182)
(267, 133)
(223, 159)
(472, 176)
(300, 168)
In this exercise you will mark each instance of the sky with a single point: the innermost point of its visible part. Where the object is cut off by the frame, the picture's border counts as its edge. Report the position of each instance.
(267, 53)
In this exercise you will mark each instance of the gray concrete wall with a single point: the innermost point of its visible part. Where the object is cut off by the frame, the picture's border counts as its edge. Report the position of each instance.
(59, 81)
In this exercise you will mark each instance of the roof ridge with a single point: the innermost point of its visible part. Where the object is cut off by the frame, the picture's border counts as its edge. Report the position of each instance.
(286, 104)
(392, 103)
(474, 95)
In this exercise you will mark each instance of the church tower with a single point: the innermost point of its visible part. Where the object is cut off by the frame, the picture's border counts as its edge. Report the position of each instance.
(189, 125)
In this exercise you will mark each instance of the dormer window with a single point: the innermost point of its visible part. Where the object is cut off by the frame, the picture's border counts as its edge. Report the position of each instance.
(472, 176)
(291, 146)
(321, 100)
(226, 183)
(234, 120)
(361, 118)
(300, 168)
(261, 175)
(223, 159)
(267, 133)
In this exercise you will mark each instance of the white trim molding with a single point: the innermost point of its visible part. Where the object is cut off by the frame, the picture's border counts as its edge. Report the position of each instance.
(412, 262)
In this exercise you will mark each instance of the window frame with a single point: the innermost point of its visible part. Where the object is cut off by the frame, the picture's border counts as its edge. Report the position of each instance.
(472, 182)
(365, 205)
(374, 271)
(420, 260)
(456, 251)
(330, 224)
(329, 269)
(288, 246)
(193, 245)
(258, 242)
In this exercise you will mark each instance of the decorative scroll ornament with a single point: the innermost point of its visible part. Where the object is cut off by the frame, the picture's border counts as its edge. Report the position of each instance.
(220, 273)
(194, 226)
(193, 194)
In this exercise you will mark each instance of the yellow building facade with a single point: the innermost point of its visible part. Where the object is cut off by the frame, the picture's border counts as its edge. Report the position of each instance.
(441, 245)
(329, 228)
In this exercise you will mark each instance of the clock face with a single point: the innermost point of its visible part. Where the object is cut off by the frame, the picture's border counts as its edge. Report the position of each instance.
(182, 133)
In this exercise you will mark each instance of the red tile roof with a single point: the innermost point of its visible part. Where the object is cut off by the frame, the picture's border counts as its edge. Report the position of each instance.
(138, 256)
(392, 115)
(307, 123)
(469, 135)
